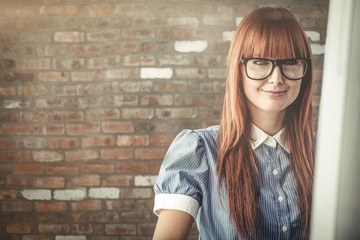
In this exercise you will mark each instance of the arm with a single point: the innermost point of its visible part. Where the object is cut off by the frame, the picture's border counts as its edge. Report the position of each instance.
(173, 224)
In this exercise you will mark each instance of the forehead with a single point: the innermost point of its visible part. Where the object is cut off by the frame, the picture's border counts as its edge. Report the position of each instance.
(274, 40)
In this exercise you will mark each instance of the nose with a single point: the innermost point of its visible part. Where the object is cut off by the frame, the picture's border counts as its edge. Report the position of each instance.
(276, 76)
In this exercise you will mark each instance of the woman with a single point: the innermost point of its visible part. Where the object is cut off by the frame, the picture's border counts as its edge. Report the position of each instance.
(250, 177)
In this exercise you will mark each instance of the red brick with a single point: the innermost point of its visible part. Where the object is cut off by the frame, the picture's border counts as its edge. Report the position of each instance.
(7, 91)
(103, 114)
(117, 127)
(154, 166)
(102, 36)
(120, 153)
(123, 204)
(47, 156)
(35, 117)
(28, 169)
(66, 10)
(117, 180)
(67, 116)
(54, 228)
(83, 228)
(122, 47)
(97, 141)
(16, 129)
(7, 63)
(165, 113)
(33, 64)
(62, 170)
(7, 143)
(139, 193)
(132, 140)
(161, 140)
(30, 91)
(86, 205)
(17, 206)
(49, 129)
(88, 76)
(100, 9)
(18, 50)
(15, 180)
(48, 182)
(139, 60)
(122, 229)
(97, 168)
(36, 237)
(120, 100)
(122, 74)
(53, 76)
(81, 129)
(8, 116)
(81, 155)
(132, 167)
(103, 62)
(83, 50)
(8, 194)
(104, 217)
(85, 181)
(5, 168)
(19, 228)
(137, 113)
(63, 143)
(157, 100)
(135, 216)
(173, 86)
(149, 153)
(68, 64)
(15, 156)
(46, 206)
(50, 103)
(22, 77)
(32, 142)
(73, 217)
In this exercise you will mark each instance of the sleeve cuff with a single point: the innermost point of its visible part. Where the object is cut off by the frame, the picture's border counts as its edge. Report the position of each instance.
(176, 202)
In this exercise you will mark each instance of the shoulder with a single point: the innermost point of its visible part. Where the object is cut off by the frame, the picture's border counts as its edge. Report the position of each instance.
(202, 137)
(191, 147)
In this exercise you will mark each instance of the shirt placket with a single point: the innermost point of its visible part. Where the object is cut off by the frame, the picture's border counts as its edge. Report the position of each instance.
(281, 200)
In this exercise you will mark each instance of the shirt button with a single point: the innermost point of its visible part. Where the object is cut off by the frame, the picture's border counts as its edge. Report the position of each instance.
(284, 228)
(280, 198)
(275, 172)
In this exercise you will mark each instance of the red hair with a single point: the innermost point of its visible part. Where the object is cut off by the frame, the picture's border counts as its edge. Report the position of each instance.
(270, 33)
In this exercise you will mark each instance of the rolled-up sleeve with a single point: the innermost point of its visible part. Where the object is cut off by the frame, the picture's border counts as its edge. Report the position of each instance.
(183, 175)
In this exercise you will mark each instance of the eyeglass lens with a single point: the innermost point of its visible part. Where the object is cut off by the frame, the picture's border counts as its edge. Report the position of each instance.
(259, 68)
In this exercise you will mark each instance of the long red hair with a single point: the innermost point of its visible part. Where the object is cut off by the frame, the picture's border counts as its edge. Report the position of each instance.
(271, 33)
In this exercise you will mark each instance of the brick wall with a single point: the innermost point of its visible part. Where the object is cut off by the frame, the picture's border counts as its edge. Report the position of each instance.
(91, 95)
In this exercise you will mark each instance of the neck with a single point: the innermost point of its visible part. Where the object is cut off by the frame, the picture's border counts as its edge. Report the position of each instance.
(269, 122)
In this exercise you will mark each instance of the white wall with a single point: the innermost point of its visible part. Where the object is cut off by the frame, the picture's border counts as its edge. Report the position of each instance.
(336, 197)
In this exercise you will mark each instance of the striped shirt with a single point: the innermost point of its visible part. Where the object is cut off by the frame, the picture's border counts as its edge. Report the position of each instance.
(188, 182)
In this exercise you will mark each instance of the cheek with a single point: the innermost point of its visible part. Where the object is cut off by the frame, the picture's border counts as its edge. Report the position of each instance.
(297, 89)
(250, 87)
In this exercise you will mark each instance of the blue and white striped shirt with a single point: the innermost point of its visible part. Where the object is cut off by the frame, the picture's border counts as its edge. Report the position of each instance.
(188, 182)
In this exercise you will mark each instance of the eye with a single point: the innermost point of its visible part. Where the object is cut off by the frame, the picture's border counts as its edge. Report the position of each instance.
(291, 62)
(260, 62)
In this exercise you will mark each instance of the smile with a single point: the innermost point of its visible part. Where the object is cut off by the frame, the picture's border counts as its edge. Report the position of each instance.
(273, 93)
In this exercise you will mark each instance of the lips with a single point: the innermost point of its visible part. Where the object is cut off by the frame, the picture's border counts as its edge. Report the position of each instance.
(275, 93)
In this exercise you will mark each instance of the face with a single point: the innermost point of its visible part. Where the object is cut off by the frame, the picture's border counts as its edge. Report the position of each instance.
(271, 95)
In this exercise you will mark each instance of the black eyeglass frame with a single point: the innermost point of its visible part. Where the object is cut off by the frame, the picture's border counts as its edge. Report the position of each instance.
(276, 62)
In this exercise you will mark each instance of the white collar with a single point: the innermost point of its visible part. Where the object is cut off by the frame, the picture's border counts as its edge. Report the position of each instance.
(258, 137)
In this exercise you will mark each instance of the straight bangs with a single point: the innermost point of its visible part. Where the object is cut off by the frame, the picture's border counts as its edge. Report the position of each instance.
(278, 36)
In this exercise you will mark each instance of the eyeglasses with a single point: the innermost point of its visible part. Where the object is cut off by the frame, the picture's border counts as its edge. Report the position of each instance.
(261, 68)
